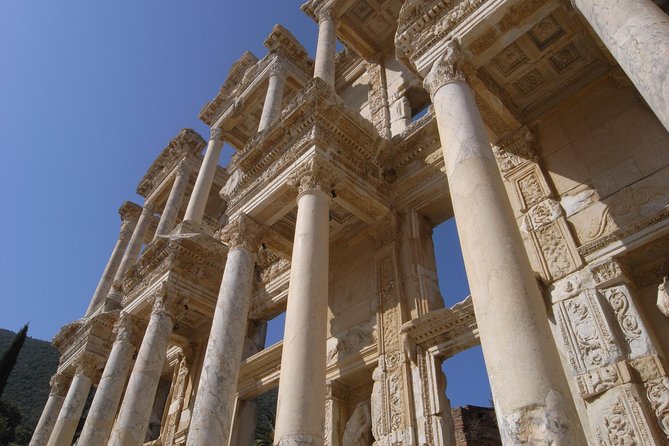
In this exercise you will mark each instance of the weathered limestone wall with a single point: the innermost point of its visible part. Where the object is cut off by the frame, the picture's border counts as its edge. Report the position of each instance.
(596, 146)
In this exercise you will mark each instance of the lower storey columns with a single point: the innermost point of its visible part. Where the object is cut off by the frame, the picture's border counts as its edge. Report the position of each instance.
(301, 399)
(215, 400)
(636, 32)
(108, 395)
(133, 418)
(531, 396)
(59, 385)
(73, 406)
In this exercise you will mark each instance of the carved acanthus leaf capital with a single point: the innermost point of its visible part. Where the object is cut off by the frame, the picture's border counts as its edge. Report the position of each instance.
(129, 329)
(129, 211)
(183, 168)
(169, 301)
(449, 68)
(217, 133)
(242, 232)
(59, 384)
(314, 174)
(88, 365)
(278, 68)
(325, 14)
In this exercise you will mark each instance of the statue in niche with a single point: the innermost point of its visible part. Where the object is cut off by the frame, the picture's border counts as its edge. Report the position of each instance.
(377, 402)
(663, 296)
(358, 427)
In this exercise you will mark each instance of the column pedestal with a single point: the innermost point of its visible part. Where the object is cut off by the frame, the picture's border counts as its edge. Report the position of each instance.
(301, 399)
(73, 406)
(59, 386)
(214, 404)
(636, 32)
(133, 419)
(103, 410)
(530, 392)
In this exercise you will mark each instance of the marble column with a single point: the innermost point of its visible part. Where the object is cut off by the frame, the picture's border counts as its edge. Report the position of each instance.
(133, 418)
(636, 32)
(105, 404)
(301, 399)
(130, 213)
(205, 178)
(324, 65)
(272, 107)
(59, 386)
(73, 406)
(132, 252)
(215, 400)
(174, 201)
(530, 392)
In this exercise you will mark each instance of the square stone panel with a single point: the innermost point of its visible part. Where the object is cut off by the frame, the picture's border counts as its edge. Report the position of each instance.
(529, 82)
(509, 59)
(545, 32)
(565, 58)
(362, 10)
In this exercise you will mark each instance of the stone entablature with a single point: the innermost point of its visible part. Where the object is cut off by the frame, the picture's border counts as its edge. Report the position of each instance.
(188, 144)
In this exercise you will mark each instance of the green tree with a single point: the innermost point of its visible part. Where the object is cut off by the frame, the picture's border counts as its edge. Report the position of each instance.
(8, 359)
(10, 418)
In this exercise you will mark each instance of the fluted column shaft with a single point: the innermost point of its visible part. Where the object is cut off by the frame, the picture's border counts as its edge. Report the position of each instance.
(527, 380)
(302, 382)
(174, 201)
(205, 178)
(272, 106)
(214, 404)
(133, 419)
(73, 406)
(129, 214)
(105, 404)
(326, 49)
(636, 32)
(59, 387)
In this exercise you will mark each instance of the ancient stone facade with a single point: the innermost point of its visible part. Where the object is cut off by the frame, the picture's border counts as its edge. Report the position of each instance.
(539, 125)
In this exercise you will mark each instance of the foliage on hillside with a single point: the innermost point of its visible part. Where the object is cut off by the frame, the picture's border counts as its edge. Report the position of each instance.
(10, 355)
(28, 385)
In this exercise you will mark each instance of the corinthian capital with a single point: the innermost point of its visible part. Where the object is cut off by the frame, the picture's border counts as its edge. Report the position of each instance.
(242, 232)
(169, 301)
(325, 14)
(216, 134)
(314, 174)
(449, 68)
(88, 365)
(129, 329)
(129, 211)
(59, 384)
(278, 68)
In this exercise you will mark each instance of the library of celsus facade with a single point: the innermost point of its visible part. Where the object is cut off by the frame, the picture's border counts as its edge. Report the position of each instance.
(540, 126)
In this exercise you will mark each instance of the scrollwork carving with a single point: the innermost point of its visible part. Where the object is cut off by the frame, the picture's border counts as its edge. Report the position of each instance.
(657, 392)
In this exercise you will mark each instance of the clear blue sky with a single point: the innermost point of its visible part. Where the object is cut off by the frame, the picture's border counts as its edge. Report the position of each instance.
(90, 93)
